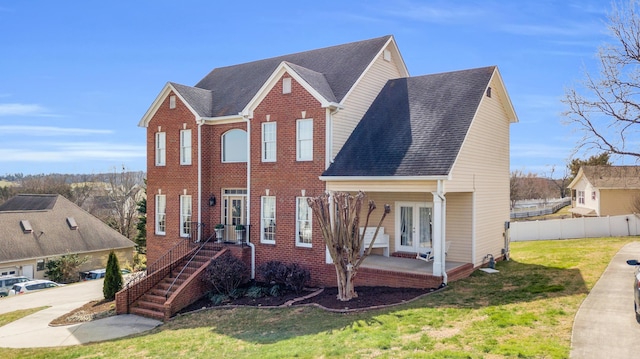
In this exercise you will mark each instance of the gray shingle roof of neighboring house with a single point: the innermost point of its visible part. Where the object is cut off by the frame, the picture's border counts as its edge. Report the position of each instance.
(613, 176)
(332, 71)
(415, 127)
(51, 232)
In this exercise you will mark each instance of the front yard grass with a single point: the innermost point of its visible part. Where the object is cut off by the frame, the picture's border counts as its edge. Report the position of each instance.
(524, 311)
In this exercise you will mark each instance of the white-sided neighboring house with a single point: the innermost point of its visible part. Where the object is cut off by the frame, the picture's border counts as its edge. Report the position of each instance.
(605, 191)
(35, 228)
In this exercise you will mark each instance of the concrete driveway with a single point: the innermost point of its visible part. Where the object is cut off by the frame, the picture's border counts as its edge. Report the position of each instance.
(34, 330)
(605, 325)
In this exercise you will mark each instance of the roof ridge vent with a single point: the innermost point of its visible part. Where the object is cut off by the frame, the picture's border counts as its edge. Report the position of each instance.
(72, 223)
(26, 226)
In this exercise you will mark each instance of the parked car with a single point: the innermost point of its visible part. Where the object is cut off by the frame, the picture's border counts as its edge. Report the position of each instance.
(636, 287)
(7, 282)
(32, 286)
(98, 273)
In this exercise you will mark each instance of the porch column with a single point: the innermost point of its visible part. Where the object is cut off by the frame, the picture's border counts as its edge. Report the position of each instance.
(439, 226)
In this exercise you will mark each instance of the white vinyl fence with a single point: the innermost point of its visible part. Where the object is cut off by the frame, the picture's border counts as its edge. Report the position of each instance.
(585, 227)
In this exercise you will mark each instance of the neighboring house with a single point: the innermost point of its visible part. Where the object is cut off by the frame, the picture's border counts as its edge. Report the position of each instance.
(35, 228)
(605, 191)
(250, 142)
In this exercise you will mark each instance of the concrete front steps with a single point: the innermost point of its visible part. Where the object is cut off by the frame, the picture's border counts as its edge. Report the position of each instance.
(181, 287)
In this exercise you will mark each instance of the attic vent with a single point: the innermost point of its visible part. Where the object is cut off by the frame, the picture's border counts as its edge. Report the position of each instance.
(72, 223)
(172, 102)
(286, 85)
(488, 91)
(26, 226)
(386, 55)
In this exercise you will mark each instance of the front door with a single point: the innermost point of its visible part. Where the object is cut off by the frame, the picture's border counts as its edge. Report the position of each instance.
(413, 226)
(234, 213)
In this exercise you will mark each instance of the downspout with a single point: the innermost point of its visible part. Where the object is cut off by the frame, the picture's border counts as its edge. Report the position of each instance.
(442, 202)
(200, 122)
(251, 245)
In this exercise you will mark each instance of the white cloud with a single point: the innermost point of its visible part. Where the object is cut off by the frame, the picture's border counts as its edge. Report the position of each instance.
(73, 152)
(540, 151)
(20, 109)
(50, 131)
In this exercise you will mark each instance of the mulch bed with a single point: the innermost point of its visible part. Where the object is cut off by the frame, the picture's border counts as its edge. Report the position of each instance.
(368, 298)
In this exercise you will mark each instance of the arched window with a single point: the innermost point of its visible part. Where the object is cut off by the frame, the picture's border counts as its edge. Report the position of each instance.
(234, 146)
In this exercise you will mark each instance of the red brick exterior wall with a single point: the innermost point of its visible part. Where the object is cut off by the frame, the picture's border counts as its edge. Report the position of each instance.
(286, 178)
(173, 178)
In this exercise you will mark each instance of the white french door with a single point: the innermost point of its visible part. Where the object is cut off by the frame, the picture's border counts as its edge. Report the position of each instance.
(413, 226)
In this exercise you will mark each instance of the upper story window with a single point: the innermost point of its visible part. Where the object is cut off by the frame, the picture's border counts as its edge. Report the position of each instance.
(172, 102)
(185, 216)
(161, 148)
(581, 197)
(161, 214)
(268, 219)
(593, 195)
(268, 142)
(303, 222)
(304, 140)
(185, 147)
(234, 146)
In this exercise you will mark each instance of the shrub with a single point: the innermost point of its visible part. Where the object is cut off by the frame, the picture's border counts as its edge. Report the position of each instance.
(292, 276)
(65, 268)
(297, 277)
(274, 272)
(256, 291)
(226, 273)
(112, 278)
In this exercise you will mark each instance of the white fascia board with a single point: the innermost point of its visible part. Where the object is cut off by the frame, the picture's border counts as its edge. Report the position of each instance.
(403, 66)
(381, 178)
(166, 90)
(511, 112)
(577, 179)
(221, 120)
(271, 82)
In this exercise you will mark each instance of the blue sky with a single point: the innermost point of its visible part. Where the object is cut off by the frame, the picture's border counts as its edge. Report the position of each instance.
(77, 76)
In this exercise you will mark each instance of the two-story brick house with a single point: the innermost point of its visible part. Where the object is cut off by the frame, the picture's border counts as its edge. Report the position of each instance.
(249, 143)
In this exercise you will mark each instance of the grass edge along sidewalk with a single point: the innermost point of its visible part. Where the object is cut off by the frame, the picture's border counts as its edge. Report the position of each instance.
(525, 310)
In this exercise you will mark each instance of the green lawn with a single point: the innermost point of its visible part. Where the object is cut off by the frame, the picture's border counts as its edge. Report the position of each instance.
(525, 311)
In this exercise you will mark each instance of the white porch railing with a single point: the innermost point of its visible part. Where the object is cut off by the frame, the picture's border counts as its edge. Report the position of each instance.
(584, 227)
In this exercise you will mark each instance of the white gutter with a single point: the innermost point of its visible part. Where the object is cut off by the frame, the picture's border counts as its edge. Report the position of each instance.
(251, 245)
(200, 122)
(382, 178)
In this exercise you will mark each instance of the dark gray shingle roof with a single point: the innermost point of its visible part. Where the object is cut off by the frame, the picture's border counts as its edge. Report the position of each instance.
(415, 127)
(200, 100)
(234, 86)
(52, 235)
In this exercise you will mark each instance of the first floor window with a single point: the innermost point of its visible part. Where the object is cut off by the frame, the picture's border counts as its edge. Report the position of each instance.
(161, 214)
(581, 197)
(303, 222)
(593, 195)
(268, 219)
(40, 265)
(185, 216)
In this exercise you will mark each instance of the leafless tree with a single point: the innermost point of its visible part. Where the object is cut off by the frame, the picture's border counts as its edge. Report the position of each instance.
(338, 215)
(608, 113)
(120, 201)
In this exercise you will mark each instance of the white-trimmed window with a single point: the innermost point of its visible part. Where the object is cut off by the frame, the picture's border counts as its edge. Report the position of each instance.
(161, 148)
(185, 215)
(234, 146)
(161, 214)
(593, 195)
(303, 222)
(580, 197)
(269, 142)
(304, 140)
(185, 147)
(268, 219)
